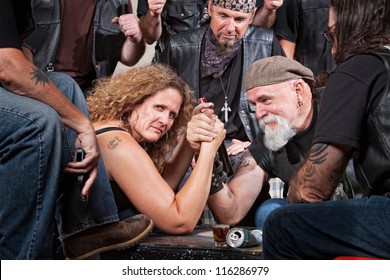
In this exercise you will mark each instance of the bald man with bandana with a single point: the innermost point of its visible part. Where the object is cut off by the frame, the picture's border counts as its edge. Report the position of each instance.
(213, 60)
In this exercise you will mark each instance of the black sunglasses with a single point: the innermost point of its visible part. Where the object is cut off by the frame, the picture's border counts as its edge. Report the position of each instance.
(328, 35)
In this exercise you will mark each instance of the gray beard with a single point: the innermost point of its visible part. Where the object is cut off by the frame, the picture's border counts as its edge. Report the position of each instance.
(225, 48)
(276, 138)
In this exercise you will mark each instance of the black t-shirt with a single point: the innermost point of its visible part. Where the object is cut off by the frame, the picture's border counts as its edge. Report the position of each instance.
(15, 22)
(211, 89)
(287, 21)
(284, 162)
(302, 22)
(347, 99)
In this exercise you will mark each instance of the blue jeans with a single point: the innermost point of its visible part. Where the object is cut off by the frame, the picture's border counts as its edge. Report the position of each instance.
(354, 227)
(34, 148)
(266, 208)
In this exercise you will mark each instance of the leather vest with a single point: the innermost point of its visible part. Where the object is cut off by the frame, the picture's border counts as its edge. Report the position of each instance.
(180, 16)
(312, 50)
(372, 162)
(108, 39)
(185, 55)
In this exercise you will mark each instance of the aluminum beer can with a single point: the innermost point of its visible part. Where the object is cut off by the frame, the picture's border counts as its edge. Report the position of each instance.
(242, 237)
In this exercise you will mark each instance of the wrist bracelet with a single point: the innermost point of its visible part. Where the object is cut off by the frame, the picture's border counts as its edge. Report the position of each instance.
(218, 176)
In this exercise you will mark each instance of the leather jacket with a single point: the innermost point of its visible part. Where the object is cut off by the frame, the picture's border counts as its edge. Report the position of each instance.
(108, 39)
(177, 16)
(372, 163)
(183, 53)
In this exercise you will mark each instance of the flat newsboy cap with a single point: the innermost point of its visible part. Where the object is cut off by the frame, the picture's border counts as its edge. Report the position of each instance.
(274, 70)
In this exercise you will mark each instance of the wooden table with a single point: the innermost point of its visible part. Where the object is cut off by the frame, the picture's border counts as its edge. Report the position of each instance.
(196, 246)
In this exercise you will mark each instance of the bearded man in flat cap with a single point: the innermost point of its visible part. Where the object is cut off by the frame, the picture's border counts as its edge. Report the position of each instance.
(280, 90)
(213, 60)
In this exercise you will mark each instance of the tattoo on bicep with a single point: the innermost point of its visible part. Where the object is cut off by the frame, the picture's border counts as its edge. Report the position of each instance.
(318, 153)
(112, 144)
(244, 159)
(39, 77)
(229, 193)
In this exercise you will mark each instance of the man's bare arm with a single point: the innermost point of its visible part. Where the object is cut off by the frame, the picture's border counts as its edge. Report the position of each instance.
(266, 15)
(150, 23)
(232, 203)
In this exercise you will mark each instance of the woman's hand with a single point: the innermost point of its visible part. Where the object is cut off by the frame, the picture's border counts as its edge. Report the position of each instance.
(219, 127)
(201, 127)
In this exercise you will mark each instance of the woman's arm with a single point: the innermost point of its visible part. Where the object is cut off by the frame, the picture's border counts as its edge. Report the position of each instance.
(177, 165)
(133, 170)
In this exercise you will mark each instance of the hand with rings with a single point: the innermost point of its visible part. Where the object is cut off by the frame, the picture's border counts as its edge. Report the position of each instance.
(237, 147)
(128, 24)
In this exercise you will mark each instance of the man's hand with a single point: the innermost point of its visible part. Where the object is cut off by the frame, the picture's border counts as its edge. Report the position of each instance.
(156, 7)
(128, 24)
(272, 4)
(89, 165)
(237, 147)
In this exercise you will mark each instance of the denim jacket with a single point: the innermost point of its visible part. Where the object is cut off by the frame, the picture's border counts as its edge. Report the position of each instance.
(183, 52)
(108, 39)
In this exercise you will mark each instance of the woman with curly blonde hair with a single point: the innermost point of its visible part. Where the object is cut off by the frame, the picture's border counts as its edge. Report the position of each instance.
(140, 118)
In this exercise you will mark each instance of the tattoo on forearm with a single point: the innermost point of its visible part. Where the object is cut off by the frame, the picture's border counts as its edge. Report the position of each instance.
(39, 77)
(317, 156)
(112, 144)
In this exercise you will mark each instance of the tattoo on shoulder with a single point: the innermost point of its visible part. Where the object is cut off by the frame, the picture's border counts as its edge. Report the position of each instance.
(244, 158)
(39, 77)
(112, 144)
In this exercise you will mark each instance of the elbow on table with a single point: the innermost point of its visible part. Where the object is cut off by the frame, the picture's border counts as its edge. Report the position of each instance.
(178, 229)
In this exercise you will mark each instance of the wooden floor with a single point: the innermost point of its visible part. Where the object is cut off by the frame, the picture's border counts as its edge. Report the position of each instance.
(197, 246)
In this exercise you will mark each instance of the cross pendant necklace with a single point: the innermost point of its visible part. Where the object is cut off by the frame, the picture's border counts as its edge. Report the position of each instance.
(226, 107)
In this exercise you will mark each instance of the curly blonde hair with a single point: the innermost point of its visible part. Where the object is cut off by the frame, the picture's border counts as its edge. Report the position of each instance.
(113, 97)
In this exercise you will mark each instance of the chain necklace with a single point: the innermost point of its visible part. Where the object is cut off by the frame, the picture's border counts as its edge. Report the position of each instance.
(226, 107)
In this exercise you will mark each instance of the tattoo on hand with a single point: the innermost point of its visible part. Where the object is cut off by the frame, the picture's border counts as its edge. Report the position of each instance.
(39, 76)
(112, 144)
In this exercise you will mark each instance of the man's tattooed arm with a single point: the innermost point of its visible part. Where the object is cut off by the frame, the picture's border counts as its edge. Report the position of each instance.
(39, 77)
(234, 201)
(319, 175)
(244, 159)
